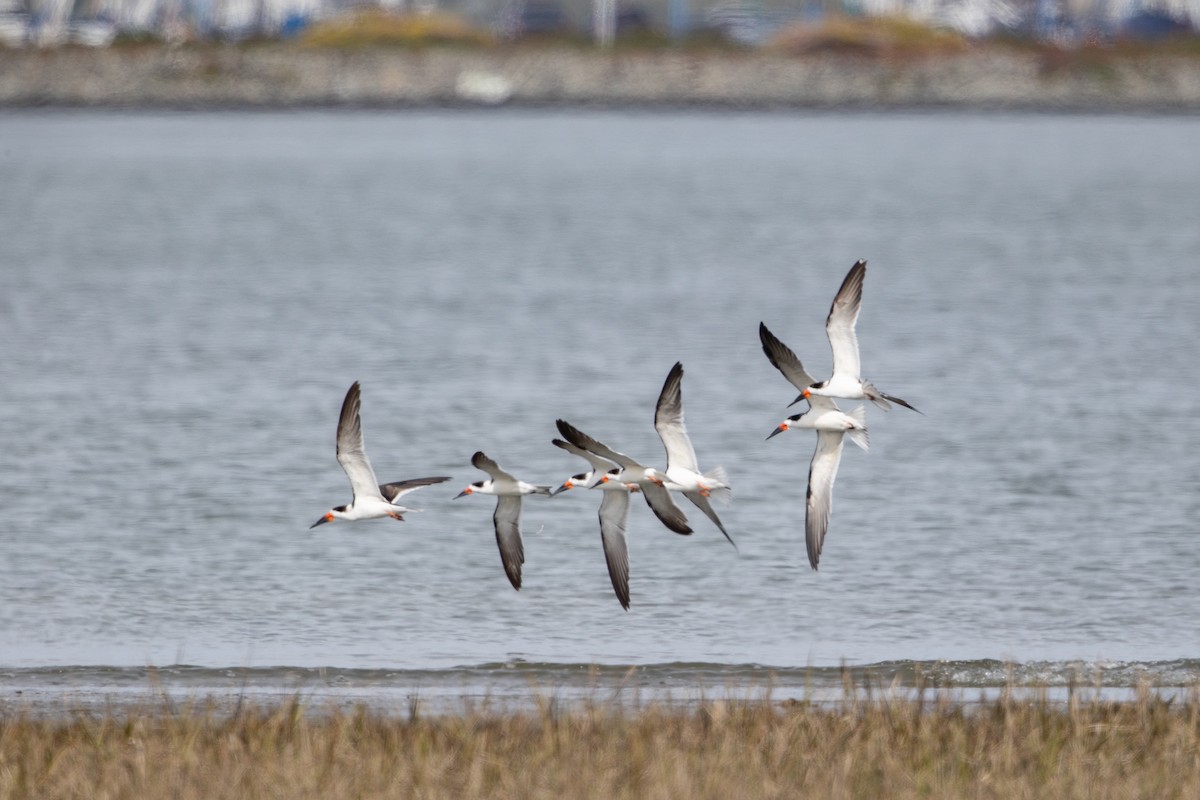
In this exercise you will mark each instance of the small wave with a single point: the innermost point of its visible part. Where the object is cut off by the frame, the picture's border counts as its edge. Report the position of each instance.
(521, 674)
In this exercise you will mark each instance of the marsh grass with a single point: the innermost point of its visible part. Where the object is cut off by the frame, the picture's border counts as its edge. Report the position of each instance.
(861, 747)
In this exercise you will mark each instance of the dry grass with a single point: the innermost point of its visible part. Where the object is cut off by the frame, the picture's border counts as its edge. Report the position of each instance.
(375, 28)
(1149, 748)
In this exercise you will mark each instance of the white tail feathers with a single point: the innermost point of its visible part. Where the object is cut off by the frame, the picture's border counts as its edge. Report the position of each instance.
(859, 435)
(542, 489)
(722, 494)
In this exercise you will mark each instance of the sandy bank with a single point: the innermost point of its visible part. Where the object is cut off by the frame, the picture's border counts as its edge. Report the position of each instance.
(277, 76)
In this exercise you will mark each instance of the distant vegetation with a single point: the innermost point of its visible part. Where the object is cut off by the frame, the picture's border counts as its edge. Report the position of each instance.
(867, 36)
(874, 748)
(374, 28)
(872, 37)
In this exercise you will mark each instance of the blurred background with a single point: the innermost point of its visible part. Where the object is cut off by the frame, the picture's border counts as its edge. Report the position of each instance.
(746, 23)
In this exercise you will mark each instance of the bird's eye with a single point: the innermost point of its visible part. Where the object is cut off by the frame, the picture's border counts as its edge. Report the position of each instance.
(579, 477)
(615, 471)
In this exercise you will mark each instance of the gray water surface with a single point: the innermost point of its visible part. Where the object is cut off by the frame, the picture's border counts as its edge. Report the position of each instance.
(184, 300)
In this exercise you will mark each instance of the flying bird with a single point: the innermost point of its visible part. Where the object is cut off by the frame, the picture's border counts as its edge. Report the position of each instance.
(507, 517)
(846, 382)
(648, 479)
(683, 470)
(370, 499)
(614, 516)
(585, 480)
(831, 425)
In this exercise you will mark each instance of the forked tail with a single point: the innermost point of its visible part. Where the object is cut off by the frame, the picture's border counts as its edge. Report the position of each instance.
(859, 435)
(722, 494)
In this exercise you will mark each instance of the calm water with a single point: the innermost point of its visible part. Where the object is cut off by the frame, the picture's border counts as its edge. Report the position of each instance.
(186, 298)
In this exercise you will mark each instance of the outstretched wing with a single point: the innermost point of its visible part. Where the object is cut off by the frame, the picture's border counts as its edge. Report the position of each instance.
(481, 461)
(784, 360)
(394, 491)
(614, 516)
(508, 536)
(601, 465)
(668, 421)
(821, 474)
(701, 502)
(660, 502)
(843, 316)
(581, 439)
(350, 451)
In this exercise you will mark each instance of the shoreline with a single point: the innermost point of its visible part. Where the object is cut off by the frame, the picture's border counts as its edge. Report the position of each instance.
(520, 685)
(273, 77)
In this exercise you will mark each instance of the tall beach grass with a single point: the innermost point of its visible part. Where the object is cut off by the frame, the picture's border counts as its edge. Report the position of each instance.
(1022, 746)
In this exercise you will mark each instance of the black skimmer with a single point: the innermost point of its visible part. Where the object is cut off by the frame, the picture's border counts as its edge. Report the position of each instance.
(371, 500)
(846, 382)
(831, 425)
(507, 517)
(683, 470)
(648, 479)
(614, 515)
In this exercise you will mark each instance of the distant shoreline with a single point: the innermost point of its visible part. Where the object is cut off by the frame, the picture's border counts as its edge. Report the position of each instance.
(288, 76)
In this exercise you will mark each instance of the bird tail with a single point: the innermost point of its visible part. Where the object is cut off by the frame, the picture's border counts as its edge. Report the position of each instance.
(859, 435)
(722, 494)
(542, 489)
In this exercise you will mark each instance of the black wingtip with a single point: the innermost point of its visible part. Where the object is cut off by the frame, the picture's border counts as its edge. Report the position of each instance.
(904, 403)
(674, 378)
